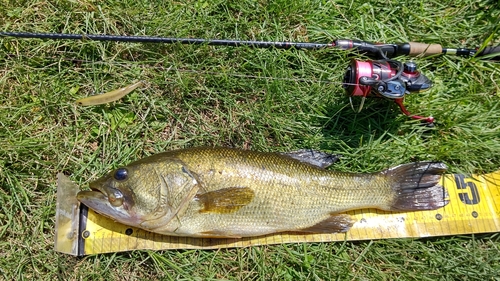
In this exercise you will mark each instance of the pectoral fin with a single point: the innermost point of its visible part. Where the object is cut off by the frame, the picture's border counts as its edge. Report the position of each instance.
(224, 201)
(334, 224)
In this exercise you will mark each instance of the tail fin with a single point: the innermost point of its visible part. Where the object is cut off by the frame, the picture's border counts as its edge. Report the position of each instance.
(417, 187)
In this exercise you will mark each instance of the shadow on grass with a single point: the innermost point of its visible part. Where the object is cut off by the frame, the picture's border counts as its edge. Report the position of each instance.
(378, 117)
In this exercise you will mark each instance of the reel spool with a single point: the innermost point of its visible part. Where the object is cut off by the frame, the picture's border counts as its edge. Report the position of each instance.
(385, 78)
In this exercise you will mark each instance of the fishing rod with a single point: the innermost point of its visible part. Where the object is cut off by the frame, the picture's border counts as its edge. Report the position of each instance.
(375, 50)
(382, 77)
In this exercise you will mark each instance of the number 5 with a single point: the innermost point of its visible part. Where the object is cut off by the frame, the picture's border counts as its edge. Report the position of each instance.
(464, 196)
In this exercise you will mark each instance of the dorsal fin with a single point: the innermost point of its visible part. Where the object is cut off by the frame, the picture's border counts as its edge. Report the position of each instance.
(313, 157)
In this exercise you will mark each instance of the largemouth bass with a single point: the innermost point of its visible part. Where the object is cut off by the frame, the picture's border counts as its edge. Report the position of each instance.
(223, 192)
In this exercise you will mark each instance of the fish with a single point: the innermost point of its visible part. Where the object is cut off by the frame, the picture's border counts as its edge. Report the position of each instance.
(109, 96)
(218, 192)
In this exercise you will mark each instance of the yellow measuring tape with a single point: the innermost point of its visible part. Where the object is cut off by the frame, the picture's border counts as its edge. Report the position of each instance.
(474, 208)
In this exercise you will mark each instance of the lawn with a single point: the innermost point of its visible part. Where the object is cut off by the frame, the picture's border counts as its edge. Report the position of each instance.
(259, 99)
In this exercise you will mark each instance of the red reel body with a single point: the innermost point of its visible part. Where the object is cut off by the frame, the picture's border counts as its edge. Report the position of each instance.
(385, 78)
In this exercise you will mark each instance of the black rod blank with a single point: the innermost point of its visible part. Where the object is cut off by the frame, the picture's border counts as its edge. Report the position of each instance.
(168, 40)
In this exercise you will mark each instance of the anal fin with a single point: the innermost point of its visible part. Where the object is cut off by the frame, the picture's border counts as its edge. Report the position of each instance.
(336, 223)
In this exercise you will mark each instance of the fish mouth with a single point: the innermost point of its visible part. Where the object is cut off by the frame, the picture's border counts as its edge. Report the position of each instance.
(97, 199)
(92, 198)
(94, 193)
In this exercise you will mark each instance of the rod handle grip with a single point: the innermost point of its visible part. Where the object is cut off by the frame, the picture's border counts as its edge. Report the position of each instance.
(417, 49)
(489, 51)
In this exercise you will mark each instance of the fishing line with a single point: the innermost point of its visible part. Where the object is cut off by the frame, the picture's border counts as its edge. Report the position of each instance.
(181, 70)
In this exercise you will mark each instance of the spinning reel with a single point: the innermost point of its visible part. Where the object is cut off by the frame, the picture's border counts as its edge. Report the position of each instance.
(387, 79)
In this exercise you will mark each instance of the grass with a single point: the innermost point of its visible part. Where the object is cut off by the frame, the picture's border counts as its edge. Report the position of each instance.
(202, 95)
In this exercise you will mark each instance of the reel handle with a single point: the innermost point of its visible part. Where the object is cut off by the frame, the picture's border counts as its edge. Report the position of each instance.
(429, 120)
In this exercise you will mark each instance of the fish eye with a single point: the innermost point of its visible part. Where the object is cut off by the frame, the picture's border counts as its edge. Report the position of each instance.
(121, 174)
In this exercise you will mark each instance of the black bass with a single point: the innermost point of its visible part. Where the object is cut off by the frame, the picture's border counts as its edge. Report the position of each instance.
(223, 192)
